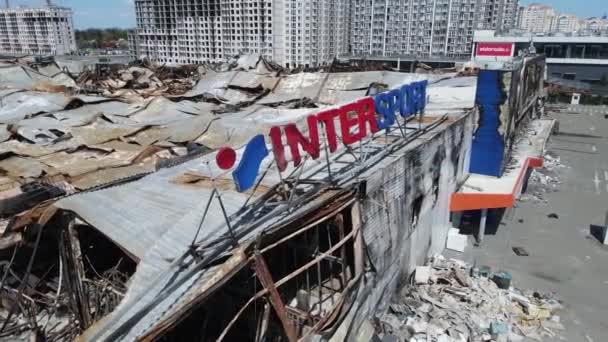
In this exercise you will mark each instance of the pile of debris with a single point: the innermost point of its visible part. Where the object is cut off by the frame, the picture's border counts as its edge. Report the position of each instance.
(447, 304)
(544, 180)
(140, 79)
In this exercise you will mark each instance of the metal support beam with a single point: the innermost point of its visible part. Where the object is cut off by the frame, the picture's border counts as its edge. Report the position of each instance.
(70, 251)
(482, 226)
(263, 274)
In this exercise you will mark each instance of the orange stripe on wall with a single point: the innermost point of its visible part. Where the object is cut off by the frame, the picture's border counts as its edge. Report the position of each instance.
(469, 201)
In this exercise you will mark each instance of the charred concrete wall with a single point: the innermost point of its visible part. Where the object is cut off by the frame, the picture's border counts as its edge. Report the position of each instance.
(405, 217)
(506, 99)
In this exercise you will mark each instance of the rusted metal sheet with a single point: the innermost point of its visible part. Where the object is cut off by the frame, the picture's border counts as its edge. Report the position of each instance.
(40, 214)
(263, 274)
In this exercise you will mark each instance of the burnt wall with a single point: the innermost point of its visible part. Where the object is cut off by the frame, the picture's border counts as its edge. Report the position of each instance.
(506, 100)
(405, 217)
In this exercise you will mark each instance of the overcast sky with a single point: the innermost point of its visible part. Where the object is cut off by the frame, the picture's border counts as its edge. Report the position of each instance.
(120, 13)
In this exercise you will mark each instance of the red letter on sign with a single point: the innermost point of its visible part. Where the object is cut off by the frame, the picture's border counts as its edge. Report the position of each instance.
(277, 148)
(367, 114)
(346, 123)
(330, 128)
(295, 139)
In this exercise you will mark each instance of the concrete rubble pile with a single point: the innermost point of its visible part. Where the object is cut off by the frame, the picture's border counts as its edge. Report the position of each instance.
(544, 180)
(449, 305)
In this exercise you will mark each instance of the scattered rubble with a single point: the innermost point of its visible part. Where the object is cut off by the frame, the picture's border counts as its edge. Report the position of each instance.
(142, 79)
(543, 180)
(453, 306)
(520, 251)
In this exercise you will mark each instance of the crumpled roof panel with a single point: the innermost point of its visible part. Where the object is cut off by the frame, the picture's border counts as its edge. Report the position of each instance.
(4, 133)
(98, 141)
(143, 211)
(297, 86)
(13, 75)
(18, 106)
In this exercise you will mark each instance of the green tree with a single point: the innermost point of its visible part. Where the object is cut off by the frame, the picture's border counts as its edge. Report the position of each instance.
(95, 38)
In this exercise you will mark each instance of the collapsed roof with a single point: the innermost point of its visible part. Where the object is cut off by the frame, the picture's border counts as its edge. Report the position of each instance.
(85, 141)
(140, 171)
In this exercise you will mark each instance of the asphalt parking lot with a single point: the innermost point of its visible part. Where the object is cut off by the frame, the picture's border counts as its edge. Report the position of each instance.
(563, 256)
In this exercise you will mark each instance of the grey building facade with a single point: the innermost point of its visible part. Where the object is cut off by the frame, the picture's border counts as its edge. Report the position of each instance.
(438, 28)
(37, 31)
(289, 32)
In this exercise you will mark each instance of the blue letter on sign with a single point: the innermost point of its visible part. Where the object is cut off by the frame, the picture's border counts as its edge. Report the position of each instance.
(418, 93)
(385, 109)
(246, 173)
(395, 100)
(404, 106)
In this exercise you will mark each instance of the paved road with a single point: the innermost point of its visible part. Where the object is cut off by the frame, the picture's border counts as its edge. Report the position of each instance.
(564, 257)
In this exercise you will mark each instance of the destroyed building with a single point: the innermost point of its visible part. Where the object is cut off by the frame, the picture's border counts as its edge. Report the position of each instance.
(253, 204)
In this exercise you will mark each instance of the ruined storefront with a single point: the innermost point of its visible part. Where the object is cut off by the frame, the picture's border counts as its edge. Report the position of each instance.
(249, 243)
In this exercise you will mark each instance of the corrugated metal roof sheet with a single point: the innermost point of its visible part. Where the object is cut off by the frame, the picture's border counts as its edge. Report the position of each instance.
(161, 111)
(19, 105)
(143, 211)
(452, 94)
(4, 133)
(14, 75)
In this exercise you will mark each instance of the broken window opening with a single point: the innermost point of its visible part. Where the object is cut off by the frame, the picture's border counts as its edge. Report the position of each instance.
(436, 178)
(435, 171)
(309, 270)
(416, 208)
(312, 294)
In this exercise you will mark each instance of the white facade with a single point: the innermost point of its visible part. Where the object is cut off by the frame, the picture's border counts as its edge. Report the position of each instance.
(37, 31)
(497, 15)
(290, 32)
(538, 18)
(566, 23)
(133, 42)
(438, 28)
(596, 24)
(316, 31)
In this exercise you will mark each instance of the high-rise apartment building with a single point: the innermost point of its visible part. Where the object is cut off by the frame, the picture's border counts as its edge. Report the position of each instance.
(290, 32)
(133, 43)
(440, 28)
(46, 30)
(507, 14)
(520, 14)
(538, 18)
